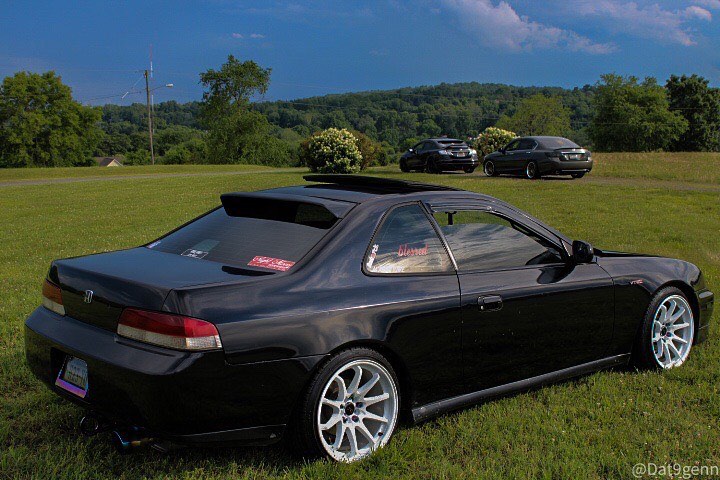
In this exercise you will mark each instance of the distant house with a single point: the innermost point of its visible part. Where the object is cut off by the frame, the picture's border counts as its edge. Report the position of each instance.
(108, 161)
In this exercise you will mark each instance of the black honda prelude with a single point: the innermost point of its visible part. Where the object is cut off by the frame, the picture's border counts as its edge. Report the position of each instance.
(327, 312)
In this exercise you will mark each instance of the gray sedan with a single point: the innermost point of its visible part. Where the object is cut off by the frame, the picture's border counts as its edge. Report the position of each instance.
(534, 157)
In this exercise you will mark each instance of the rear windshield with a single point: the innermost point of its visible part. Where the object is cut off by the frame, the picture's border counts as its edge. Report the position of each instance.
(451, 142)
(558, 142)
(245, 241)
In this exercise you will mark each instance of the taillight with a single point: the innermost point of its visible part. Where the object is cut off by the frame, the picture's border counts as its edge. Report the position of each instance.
(168, 330)
(52, 297)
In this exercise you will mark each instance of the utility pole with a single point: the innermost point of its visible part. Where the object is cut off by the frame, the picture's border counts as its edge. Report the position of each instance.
(150, 126)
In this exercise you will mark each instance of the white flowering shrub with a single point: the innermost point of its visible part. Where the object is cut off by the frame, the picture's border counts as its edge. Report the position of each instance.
(332, 151)
(492, 140)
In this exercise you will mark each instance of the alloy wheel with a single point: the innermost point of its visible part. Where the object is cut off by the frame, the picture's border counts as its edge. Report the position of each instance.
(672, 331)
(358, 410)
(531, 170)
(489, 168)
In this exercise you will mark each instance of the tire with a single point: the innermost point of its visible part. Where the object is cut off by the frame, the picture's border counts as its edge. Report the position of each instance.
(578, 175)
(403, 166)
(652, 348)
(532, 171)
(489, 168)
(313, 433)
(468, 169)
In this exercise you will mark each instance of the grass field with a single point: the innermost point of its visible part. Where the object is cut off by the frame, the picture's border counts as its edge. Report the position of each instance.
(598, 426)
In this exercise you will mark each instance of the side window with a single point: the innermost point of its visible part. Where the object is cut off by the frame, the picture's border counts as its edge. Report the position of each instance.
(418, 147)
(484, 241)
(526, 145)
(407, 243)
(513, 145)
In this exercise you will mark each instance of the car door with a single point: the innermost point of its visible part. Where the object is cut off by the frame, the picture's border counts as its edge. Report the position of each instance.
(414, 161)
(523, 154)
(504, 162)
(527, 309)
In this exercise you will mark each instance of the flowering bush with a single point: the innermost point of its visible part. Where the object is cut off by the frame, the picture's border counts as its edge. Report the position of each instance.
(492, 139)
(332, 151)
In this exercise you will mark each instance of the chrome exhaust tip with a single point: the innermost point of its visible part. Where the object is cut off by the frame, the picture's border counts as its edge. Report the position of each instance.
(126, 441)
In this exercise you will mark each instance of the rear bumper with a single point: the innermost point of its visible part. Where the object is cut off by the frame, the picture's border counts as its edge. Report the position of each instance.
(179, 396)
(452, 163)
(563, 167)
(706, 302)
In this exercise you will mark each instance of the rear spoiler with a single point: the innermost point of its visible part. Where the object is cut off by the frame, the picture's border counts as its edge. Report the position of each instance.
(277, 206)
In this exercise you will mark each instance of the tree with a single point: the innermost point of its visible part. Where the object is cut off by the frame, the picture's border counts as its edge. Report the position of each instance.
(492, 139)
(699, 104)
(538, 115)
(332, 151)
(372, 152)
(633, 116)
(236, 133)
(42, 126)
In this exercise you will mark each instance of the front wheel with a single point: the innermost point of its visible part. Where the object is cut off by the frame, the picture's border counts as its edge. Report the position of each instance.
(667, 332)
(351, 407)
(578, 175)
(531, 171)
(403, 166)
(489, 168)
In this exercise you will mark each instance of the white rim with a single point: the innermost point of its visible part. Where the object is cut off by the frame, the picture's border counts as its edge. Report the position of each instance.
(489, 168)
(358, 410)
(530, 170)
(672, 331)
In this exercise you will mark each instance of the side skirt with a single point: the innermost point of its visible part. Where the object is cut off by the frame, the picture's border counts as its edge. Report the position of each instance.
(434, 409)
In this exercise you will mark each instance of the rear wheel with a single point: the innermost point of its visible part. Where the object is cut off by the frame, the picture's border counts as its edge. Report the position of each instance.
(531, 171)
(667, 333)
(489, 168)
(578, 175)
(468, 169)
(351, 407)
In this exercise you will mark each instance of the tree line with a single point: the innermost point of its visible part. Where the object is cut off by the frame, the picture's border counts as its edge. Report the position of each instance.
(41, 124)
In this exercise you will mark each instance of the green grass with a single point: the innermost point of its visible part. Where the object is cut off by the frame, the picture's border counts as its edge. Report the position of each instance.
(598, 426)
(701, 167)
(13, 174)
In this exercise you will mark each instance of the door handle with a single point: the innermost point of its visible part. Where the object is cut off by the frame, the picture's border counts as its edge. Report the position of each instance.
(489, 303)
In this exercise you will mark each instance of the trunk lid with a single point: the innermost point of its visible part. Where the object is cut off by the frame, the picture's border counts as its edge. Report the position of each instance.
(139, 277)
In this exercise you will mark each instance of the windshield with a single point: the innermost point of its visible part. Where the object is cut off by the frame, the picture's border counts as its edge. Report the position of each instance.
(266, 244)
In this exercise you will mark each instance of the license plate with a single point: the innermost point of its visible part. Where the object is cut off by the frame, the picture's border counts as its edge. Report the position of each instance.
(73, 377)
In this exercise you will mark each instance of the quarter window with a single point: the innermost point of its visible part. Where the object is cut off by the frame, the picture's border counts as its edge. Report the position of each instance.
(407, 243)
(484, 241)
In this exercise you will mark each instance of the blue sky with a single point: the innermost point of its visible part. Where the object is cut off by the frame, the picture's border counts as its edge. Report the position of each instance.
(318, 47)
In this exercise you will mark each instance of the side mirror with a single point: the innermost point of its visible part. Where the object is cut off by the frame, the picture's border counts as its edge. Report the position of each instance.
(582, 252)
(410, 150)
(502, 150)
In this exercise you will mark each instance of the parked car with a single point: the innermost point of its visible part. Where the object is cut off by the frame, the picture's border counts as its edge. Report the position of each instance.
(534, 157)
(325, 311)
(436, 155)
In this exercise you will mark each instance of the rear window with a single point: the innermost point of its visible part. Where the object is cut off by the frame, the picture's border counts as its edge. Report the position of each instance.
(273, 241)
(553, 143)
(451, 142)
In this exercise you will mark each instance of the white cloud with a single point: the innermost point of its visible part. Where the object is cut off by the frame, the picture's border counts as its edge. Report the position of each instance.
(709, 3)
(647, 21)
(501, 26)
(240, 36)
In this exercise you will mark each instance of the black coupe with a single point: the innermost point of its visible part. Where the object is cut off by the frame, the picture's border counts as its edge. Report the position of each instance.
(534, 157)
(437, 155)
(323, 312)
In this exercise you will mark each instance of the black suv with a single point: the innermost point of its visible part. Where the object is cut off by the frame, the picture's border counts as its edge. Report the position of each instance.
(534, 157)
(436, 155)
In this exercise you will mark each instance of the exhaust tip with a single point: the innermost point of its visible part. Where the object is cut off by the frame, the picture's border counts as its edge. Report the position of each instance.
(125, 442)
(92, 425)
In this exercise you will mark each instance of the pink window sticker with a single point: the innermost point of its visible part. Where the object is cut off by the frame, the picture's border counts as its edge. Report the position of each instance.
(271, 263)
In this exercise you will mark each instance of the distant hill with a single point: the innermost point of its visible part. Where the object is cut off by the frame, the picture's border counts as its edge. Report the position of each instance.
(398, 118)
